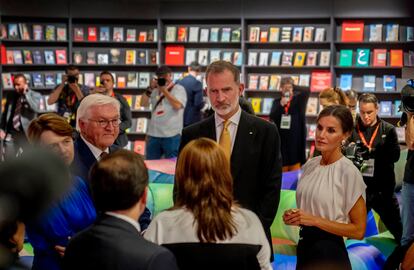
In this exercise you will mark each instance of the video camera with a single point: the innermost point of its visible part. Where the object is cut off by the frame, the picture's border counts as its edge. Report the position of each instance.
(357, 152)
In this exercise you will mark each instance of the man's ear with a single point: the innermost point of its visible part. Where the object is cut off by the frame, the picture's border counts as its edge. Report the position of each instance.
(241, 88)
(144, 196)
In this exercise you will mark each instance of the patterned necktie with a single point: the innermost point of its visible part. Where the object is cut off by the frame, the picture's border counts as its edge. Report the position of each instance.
(225, 139)
(103, 154)
(17, 114)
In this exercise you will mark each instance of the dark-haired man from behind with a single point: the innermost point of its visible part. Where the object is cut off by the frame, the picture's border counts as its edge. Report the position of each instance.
(194, 89)
(119, 189)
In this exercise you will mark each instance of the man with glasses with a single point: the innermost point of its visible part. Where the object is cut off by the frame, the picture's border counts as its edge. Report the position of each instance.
(97, 121)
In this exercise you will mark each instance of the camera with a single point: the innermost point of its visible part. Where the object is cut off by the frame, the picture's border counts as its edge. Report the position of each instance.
(407, 97)
(72, 79)
(161, 81)
(357, 152)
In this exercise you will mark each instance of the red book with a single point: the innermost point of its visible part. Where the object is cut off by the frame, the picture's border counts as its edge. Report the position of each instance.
(92, 36)
(380, 58)
(3, 54)
(396, 58)
(78, 33)
(139, 147)
(182, 34)
(352, 31)
(61, 57)
(174, 55)
(320, 80)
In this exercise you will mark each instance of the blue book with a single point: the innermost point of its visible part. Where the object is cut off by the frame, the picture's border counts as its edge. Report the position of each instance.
(385, 108)
(368, 83)
(397, 105)
(267, 105)
(389, 83)
(275, 60)
(345, 82)
(104, 33)
(38, 58)
(37, 79)
(237, 58)
(410, 33)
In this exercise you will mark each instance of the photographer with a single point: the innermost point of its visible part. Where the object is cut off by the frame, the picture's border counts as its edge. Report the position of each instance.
(68, 95)
(380, 141)
(168, 101)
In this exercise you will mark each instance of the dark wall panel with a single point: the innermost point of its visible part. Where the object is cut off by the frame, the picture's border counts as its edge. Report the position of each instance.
(41, 8)
(373, 8)
(200, 9)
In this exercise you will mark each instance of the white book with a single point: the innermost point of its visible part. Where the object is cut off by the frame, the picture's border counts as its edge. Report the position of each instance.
(170, 33)
(204, 34)
(227, 56)
(263, 58)
(304, 79)
(203, 57)
(193, 34)
(325, 59)
(190, 56)
(144, 80)
(252, 60)
(320, 34)
(214, 55)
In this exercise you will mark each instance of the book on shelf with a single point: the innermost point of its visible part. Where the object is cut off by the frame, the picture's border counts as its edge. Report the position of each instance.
(263, 59)
(295, 79)
(274, 83)
(286, 34)
(214, 34)
(325, 59)
(227, 56)
(410, 58)
(78, 34)
(320, 33)
(50, 79)
(225, 34)
(312, 106)
(235, 35)
(237, 58)
(396, 58)
(375, 32)
(320, 80)
(263, 36)
(9, 57)
(144, 80)
(204, 34)
(297, 34)
(61, 57)
(267, 105)
(121, 82)
(190, 56)
(170, 33)
(252, 60)
(142, 35)
(352, 31)
(253, 81)
(368, 83)
(38, 57)
(274, 33)
(103, 58)
(89, 79)
(92, 34)
(142, 125)
(13, 33)
(391, 32)
(311, 128)
(397, 110)
(299, 59)
(174, 55)
(77, 57)
(308, 33)
(287, 57)
(214, 55)
(27, 57)
(130, 57)
(118, 34)
(304, 80)
(311, 58)
(37, 79)
(132, 80)
(37, 32)
(7, 80)
(362, 57)
(91, 57)
(24, 31)
(17, 57)
(50, 33)
(345, 58)
(131, 35)
(275, 58)
(137, 103)
(3, 31)
(104, 33)
(385, 108)
(152, 35)
(139, 147)
(142, 57)
(203, 57)
(182, 34)
(264, 82)
(389, 82)
(345, 81)
(410, 33)
(379, 58)
(61, 33)
(256, 104)
(254, 34)
(193, 34)
(115, 56)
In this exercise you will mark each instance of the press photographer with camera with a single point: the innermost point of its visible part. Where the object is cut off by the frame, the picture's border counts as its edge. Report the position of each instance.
(68, 94)
(168, 101)
(377, 143)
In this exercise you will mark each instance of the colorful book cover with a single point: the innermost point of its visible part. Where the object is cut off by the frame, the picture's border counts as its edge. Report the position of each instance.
(144, 37)
(214, 34)
(49, 57)
(410, 33)
(256, 104)
(345, 58)
(27, 56)
(78, 34)
(275, 58)
(214, 55)
(118, 34)
(368, 83)
(50, 79)
(254, 34)
(263, 36)
(235, 35)
(170, 33)
(225, 34)
(61, 57)
(50, 33)
(389, 82)
(267, 105)
(92, 35)
(115, 56)
(227, 56)
(13, 31)
(24, 31)
(253, 81)
(252, 61)
(274, 83)
(375, 32)
(380, 58)
(142, 57)
(286, 34)
(297, 34)
(77, 57)
(237, 58)
(392, 32)
(287, 58)
(91, 58)
(182, 34)
(61, 33)
(311, 59)
(304, 80)
(130, 57)
(264, 82)
(144, 80)
(131, 35)
(121, 82)
(132, 81)
(312, 106)
(320, 34)
(345, 82)
(17, 56)
(320, 80)
(325, 59)
(362, 58)
(385, 108)
(174, 55)
(37, 32)
(103, 58)
(308, 34)
(299, 59)
(274, 33)
(104, 33)
(397, 108)
(38, 57)
(396, 58)
(37, 80)
(352, 31)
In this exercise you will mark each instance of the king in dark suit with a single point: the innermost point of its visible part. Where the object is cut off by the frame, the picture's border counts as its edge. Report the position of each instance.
(119, 189)
(252, 144)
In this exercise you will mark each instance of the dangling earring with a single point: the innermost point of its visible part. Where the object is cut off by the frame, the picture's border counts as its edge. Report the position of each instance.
(343, 143)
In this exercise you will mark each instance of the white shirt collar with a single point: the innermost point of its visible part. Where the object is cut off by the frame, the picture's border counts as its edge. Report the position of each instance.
(126, 219)
(235, 119)
(95, 150)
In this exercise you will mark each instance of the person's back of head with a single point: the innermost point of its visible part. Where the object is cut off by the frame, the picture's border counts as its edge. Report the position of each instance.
(205, 187)
(119, 181)
(333, 96)
(194, 66)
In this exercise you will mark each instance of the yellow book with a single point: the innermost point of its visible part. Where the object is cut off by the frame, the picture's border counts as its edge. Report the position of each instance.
(130, 58)
(256, 104)
(299, 59)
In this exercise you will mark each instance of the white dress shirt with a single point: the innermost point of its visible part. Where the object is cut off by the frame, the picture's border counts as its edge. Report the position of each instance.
(232, 127)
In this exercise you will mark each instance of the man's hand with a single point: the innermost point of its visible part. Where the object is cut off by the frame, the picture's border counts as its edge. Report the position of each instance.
(60, 250)
(284, 101)
(2, 134)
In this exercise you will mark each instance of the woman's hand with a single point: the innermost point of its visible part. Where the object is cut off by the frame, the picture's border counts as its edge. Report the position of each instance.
(298, 217)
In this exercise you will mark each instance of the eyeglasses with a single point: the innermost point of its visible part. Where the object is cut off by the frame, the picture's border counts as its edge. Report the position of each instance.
(105, 123)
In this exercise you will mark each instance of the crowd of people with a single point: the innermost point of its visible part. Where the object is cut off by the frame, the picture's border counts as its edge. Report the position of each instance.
(228, 175)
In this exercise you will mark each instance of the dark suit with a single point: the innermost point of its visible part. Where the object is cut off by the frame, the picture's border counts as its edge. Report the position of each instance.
(83, 162)
(255, 164)
(112, 243)
(195, 102)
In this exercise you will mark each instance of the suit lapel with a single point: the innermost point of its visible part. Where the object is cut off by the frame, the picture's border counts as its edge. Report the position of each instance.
(208, 128)
(85, 153)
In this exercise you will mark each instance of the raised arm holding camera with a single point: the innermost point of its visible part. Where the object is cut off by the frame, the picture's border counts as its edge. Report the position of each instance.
(168, 101)
(68, 94)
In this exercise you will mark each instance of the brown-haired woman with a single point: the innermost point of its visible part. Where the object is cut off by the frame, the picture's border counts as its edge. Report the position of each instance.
(49, 235)
(204, 210)
(332, 96)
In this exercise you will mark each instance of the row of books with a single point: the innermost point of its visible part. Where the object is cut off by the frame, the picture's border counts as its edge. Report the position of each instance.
(272, 81)
(139, 125)
(39, 32)
(35, 56)
(116, 33)
(353, 31)
(379, 57)
(115, 57)
(261, 105)
(289, 58)
(202, 34)
(178, 55)
(369, 83)
(286, 34)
